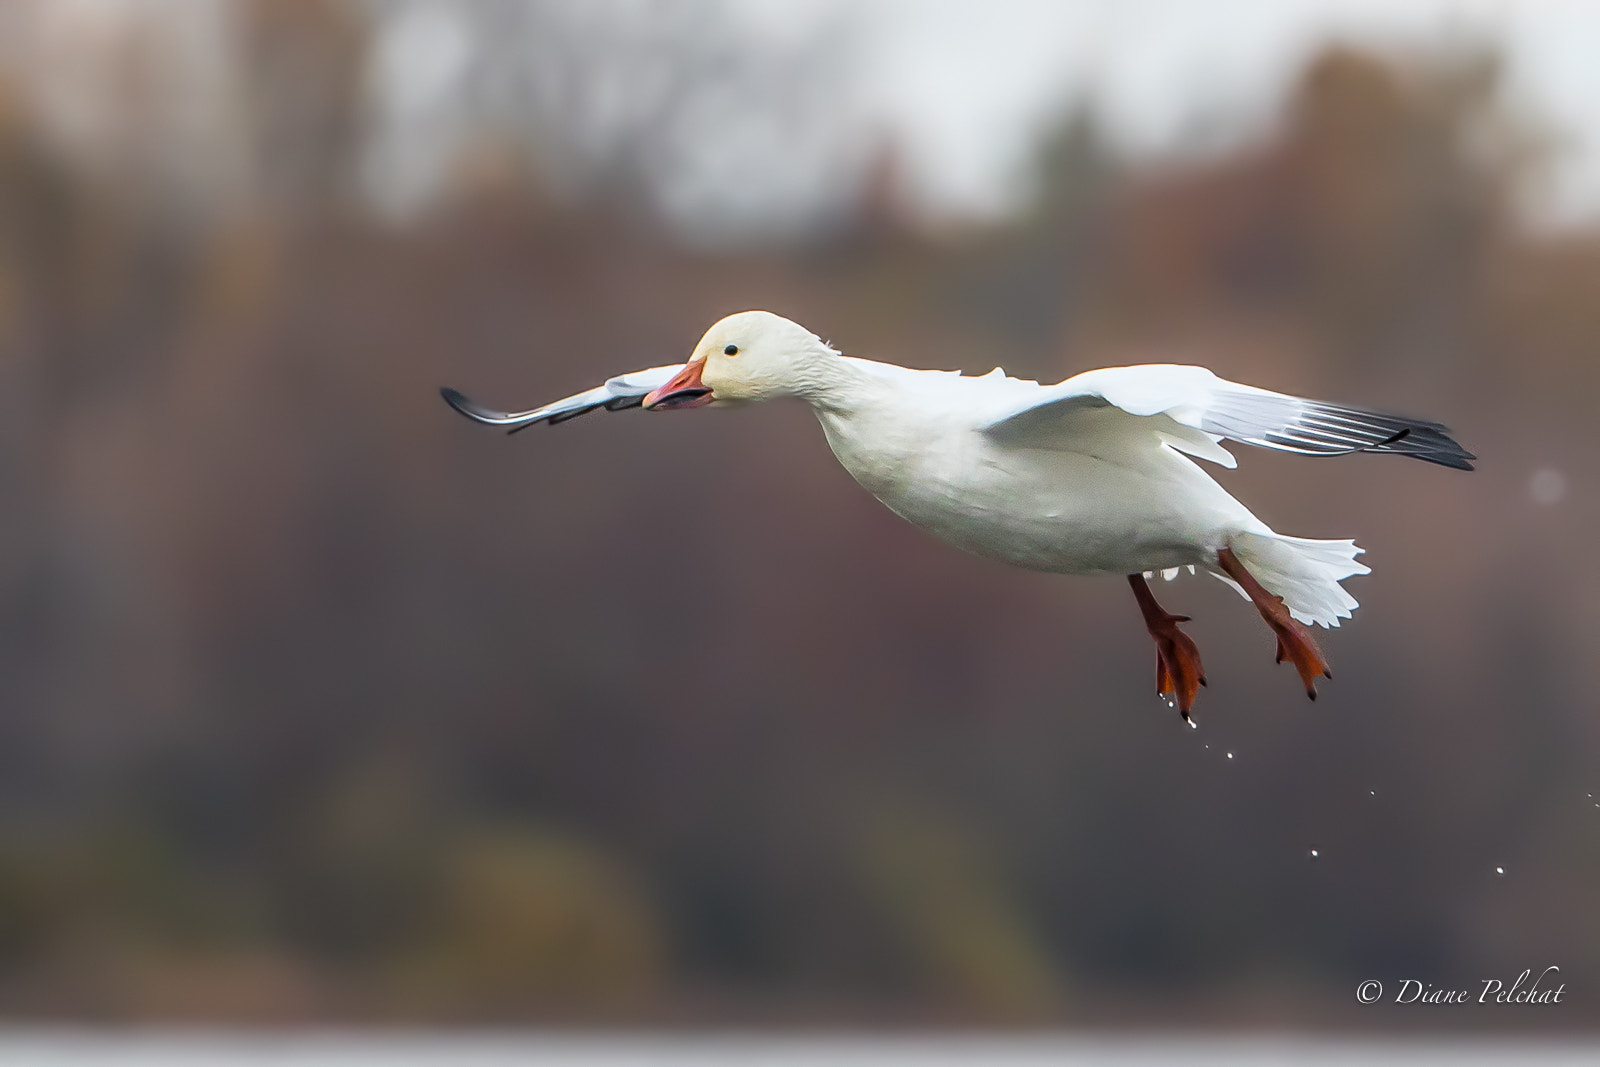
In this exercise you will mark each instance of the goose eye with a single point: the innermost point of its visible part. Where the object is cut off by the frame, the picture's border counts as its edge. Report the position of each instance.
(731, 350)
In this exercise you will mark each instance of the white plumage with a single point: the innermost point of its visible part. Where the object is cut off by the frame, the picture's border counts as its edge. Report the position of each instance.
(1090, 476)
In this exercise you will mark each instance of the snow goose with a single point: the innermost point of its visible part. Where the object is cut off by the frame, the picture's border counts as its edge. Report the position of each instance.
(1090, 476)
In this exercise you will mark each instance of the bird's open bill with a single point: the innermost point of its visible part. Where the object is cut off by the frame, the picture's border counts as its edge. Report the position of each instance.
(685, 390)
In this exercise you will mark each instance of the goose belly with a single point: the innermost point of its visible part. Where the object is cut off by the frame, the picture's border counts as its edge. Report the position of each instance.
(1066, 512)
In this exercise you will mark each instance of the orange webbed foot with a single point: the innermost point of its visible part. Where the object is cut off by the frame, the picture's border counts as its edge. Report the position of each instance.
(1179, 673)
(1296, 645)
(1295, 642)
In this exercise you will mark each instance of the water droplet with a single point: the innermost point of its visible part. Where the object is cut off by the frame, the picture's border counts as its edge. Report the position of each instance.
(1372, 792)
(1315, 853)
(1500, 870)
(1193, 725)
(1230, 755)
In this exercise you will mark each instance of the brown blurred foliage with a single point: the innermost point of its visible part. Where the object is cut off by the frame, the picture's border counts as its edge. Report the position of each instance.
(318, 702)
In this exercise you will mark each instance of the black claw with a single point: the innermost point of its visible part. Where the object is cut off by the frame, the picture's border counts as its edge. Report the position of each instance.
(1328, 674)
(1312, 693)
(1202, 679)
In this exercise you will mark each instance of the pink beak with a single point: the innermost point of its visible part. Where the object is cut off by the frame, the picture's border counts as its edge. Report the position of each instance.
(685, 390)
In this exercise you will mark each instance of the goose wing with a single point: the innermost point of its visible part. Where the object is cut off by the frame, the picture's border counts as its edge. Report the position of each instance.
(623, 391)
(1202, 409)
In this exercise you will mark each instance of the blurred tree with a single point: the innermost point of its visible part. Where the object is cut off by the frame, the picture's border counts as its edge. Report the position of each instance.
(946, 894)
(301, 102)
(527, 916)
(1400, 189)
(1075, 167)
(311, 698)
(680, 111)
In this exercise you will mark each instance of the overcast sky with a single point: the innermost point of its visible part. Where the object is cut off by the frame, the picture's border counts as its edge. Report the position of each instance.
(962, 85)
(965, 81)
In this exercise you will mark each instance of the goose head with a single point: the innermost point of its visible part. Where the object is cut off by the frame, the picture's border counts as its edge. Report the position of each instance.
(754, 355)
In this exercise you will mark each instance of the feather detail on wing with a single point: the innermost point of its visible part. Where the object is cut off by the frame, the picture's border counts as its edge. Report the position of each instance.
(623, 391)
(1201, 409)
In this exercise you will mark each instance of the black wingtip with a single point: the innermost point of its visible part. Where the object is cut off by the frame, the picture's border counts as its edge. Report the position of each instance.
(475, 411)
(457, 401)
(1430, 443)
(1457, 462)
(1402, 435)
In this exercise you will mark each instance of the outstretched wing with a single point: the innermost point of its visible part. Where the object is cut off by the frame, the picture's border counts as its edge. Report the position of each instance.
(623, 391)
(1199, 403)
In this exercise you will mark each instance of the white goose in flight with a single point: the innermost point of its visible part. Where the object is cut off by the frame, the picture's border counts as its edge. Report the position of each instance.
(1090, 476)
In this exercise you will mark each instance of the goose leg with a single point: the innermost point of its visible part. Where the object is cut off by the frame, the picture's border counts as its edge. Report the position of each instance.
(1179, 674)
(1295, 643)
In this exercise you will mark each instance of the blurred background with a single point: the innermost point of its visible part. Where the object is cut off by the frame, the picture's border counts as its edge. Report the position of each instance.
(320, 704)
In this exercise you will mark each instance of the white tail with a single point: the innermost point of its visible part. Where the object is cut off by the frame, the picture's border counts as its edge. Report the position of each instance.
(1304, 572)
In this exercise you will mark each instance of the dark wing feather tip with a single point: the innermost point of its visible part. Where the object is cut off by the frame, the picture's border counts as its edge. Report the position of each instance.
(1315, 428)
(470, 408)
